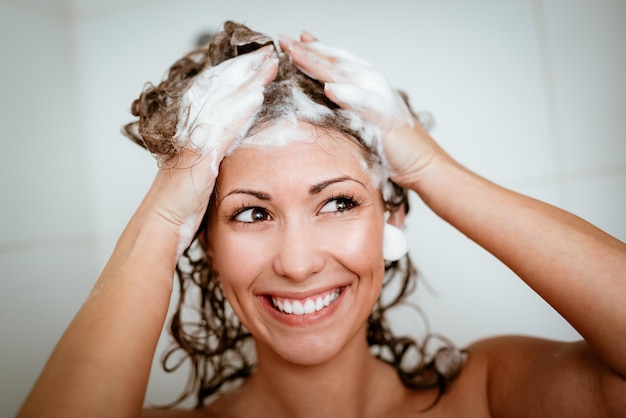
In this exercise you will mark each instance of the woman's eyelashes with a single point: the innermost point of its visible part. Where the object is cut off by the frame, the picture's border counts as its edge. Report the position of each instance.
(340, 204)
(249, 214)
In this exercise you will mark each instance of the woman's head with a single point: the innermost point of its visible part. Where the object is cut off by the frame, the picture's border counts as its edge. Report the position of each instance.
(302, 193)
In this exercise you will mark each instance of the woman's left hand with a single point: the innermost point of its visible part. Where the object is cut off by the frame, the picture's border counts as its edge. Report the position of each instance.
(355, 85)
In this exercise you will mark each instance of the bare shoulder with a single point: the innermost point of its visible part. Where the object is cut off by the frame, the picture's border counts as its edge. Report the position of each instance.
(528, 376)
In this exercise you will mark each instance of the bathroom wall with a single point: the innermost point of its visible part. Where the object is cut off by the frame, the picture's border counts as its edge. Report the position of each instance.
(47, 235)
(528, 93)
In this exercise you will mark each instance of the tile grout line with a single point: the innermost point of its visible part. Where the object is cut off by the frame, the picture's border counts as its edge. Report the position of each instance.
(551, 100)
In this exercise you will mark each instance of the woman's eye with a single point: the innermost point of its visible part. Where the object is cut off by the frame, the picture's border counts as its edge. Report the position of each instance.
(340, 204)
(252, 215)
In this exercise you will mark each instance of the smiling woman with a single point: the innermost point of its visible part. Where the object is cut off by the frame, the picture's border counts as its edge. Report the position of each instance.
(306, 172)
(279, 204)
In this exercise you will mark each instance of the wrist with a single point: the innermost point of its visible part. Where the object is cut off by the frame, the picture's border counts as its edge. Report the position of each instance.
(178, 200)
(424, 163)
(149, 243)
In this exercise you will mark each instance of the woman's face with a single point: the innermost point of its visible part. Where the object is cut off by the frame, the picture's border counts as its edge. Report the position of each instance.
(295, 235)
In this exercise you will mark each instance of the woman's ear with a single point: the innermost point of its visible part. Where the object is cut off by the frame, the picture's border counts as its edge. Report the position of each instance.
(396, 217)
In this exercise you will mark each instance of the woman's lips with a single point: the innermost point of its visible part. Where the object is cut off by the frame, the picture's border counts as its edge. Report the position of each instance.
(305, 306)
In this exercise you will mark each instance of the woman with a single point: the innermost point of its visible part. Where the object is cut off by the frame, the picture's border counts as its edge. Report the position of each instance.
(295, 232)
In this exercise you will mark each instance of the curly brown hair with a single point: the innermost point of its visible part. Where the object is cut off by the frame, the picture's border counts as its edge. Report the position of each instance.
(216, 344)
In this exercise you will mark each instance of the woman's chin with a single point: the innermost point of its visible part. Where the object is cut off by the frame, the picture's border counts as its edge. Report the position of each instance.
(311, 351)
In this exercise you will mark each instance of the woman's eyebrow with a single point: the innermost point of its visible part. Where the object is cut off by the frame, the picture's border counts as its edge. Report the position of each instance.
(317, 188)
(255, 193)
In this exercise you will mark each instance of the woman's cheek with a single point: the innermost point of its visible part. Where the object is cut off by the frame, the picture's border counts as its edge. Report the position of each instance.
(239, 257)
(359, 242)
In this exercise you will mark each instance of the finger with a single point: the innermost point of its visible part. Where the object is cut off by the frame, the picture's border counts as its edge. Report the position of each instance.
(350, 96)
(311, 61)
(335, 54)
(307, 37)
(285, 43)
(265, 71)
(260, 64)
(324, 63)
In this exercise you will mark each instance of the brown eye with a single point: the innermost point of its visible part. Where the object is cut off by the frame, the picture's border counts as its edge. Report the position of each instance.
(340, 205)
(252, 215)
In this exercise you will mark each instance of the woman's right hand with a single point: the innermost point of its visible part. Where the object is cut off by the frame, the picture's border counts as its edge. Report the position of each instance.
(217, 108)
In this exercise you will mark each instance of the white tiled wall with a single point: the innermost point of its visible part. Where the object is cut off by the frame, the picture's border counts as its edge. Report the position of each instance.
(528, 93)
(47, 258)
(41, 290)
(587, 54)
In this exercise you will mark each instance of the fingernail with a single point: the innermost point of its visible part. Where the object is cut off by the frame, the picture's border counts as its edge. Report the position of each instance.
(287, 41)
(267, 49)
(307, 34)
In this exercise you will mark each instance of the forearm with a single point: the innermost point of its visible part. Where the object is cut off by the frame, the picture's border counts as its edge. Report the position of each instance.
(578, 269)
(101, 365)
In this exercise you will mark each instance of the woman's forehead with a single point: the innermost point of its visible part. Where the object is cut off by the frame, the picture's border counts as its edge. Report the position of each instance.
(286, 130)
(300, 150)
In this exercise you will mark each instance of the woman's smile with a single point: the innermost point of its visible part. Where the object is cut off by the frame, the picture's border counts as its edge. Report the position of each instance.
(304, 311)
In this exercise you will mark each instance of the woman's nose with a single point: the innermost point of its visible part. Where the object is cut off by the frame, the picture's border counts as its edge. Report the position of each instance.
(299, 254)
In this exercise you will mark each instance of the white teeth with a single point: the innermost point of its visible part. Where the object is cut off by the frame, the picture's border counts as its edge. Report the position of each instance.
(287, 307)
(309, 307)
(306, 307)
(298, 309)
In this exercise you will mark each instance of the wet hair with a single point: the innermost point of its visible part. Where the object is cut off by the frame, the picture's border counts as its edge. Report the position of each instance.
(209, 336)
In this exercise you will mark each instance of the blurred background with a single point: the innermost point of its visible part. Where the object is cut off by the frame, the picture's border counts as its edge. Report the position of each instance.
(529, 93)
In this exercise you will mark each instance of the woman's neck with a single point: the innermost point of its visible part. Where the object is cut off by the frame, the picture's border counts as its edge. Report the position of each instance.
(352, 384)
